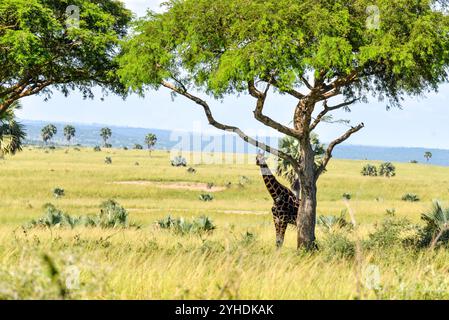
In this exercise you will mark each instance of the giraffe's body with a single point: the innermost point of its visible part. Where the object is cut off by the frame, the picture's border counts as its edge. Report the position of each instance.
(286, 204)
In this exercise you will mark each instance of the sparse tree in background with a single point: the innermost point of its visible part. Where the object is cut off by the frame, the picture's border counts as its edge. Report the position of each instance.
(48, 132)
(428, 155)
(69, 133)
(12, 133)
(150, 141)
(325, 54)
(290, 146)
(41, 50)
(106, 134)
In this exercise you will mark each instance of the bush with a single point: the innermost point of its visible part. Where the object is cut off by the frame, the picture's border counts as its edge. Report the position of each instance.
(179, 162)
(337, 245)
(97, 149)
(108, 160)
(243, 180)
(387, 169)
(182, 226)
(410, 197)
(436, 229)
(58, 193)
(138, 147)
(369, 171)
(108, 145)
(206, 197)
(347, 196)
(54, 218)
(330, 223)
(111, 215)
(191, 170)
(392, 232)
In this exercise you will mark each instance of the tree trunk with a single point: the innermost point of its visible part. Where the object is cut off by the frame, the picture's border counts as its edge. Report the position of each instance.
(306, 220)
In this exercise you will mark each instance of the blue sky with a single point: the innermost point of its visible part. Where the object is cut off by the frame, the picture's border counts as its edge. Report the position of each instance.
(422, 122)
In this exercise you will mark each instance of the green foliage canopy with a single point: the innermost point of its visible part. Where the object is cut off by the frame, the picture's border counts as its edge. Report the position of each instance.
(218, 46)
(40, 49)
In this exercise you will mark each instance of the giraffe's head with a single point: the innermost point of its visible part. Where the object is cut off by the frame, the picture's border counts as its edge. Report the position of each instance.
(261, 160)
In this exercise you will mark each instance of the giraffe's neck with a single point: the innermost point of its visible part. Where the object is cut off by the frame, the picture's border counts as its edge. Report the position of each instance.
(273, 186)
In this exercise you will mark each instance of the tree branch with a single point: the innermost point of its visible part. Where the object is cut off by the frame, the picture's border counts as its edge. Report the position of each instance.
(333, 144)
(258, 112)
(228, 128)
(328, 109)
(294, 93)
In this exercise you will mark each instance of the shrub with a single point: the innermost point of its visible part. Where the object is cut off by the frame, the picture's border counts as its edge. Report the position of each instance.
(108, 145)
(410, 197)
(243, 181)
(112, 215)
(414, 161)
(58, 193)
(369, 171)
(97, 149)
(54, 218)
(138, 147)
(387, 169)
(108, 160)
(191, 170)
(436, 229)
(179, 162)
(347, 196)
(330, 223)
(392, 232)
(182, 226)
(337, 245)
(125, 148)
(206, 197)
(248, 238)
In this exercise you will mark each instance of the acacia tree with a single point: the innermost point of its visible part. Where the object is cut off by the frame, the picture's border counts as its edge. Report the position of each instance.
(428, 155)
(42, 48)
(323, 53)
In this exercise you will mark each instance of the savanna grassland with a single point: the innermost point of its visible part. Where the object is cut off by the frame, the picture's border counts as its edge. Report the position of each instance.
(237, 260)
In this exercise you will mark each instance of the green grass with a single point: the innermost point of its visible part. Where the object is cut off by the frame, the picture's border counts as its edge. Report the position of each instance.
(152, 263)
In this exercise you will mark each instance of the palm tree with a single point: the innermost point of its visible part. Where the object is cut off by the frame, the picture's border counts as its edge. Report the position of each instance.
(150, 141)
(428, 155)
(48, 132)
(290, 146)
(12, 133)
(106, 133)
(69, 132)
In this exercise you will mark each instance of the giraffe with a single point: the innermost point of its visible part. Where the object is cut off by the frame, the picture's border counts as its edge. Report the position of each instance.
(286, 204)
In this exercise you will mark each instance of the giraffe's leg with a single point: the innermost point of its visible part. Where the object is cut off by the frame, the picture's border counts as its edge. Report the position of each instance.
(280, 233)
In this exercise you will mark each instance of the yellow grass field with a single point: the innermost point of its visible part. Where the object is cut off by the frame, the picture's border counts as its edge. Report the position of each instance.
(238, 260)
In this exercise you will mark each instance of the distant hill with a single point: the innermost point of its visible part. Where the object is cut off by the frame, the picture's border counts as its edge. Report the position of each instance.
(89, 135)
